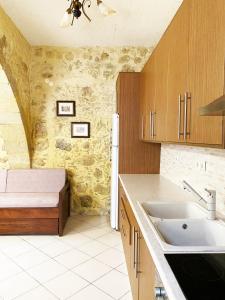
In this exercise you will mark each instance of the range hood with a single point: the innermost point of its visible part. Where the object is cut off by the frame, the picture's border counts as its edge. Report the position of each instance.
(215, 108)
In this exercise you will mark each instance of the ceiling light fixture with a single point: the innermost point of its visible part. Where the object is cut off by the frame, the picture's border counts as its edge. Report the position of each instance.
(77, 8)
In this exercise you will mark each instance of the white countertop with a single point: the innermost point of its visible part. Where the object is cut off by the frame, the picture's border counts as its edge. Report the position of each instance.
(144, 188)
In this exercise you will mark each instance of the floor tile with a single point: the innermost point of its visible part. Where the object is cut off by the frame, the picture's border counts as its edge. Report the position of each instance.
(17, 248)
(123, 269)
(47, 271)
(119, 247)
(37, 294)
(128, 296)
(8, 269)
(66, 285)
(92, 270)
(17, 285)
(7, 241)
(96, 220)
(110, 239)
(72, 258)
(114, 284)
(93, 248)
(31, 259)
(75, 239)
(38, 240)
(55, 248)
(90, 293)
(96, 232)
(111, 257)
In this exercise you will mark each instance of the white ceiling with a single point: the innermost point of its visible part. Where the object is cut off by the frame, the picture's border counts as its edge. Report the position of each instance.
(133, 25)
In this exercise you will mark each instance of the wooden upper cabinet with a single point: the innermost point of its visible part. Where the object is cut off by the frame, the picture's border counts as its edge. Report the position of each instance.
(161, 56)
(148, 99)
(206, 67)
(187, 71)
(177, 39)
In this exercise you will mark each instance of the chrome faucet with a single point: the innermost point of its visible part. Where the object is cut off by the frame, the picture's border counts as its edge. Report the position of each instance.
(210, 202)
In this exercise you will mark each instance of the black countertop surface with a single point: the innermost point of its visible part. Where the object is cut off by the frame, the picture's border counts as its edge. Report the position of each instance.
(200, 276)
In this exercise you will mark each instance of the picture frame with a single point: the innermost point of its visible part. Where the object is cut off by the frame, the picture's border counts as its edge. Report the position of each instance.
(80, 129)
(66, 108)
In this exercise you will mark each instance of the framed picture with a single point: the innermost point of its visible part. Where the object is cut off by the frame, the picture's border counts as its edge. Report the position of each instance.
(66, 108)
(80, 129)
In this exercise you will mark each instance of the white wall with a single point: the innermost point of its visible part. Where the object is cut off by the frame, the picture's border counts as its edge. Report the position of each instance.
(188, 163)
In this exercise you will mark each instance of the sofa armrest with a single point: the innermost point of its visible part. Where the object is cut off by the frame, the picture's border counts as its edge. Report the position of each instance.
(66, 188)
(64, 206)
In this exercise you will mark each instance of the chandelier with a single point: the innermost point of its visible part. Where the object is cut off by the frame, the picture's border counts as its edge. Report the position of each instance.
(77, 8)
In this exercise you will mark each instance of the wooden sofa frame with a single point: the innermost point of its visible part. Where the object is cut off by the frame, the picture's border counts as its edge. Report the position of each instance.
(40, 220)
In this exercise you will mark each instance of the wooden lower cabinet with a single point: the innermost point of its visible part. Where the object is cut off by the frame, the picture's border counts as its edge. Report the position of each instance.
(146, 271)
(141, 269)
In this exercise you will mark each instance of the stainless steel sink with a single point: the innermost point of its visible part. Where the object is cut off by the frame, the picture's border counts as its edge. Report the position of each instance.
(174, 210)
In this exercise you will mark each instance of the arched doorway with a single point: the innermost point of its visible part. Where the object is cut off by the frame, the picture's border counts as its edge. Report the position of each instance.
(13, 143)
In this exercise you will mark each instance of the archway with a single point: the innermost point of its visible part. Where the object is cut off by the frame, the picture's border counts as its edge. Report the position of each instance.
(14, 151)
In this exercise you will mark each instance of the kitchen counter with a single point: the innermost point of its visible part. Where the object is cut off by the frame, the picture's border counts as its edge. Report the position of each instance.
(147, 188)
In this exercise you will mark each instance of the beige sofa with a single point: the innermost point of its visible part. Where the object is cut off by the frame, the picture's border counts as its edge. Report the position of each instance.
(33, 201)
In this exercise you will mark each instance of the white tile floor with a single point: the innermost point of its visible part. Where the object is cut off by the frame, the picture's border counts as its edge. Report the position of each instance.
(87, 263)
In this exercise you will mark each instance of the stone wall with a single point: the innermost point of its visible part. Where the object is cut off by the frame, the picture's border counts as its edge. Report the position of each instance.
(88, 76)
(202, 167)
(15, 59)
(13, 144)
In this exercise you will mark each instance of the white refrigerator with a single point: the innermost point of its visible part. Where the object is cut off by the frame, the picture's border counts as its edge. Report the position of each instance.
(115, 172)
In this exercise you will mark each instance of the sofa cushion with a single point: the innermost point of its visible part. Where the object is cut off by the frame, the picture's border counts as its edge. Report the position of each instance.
(17, 200)
(36, 180)
(3, 177)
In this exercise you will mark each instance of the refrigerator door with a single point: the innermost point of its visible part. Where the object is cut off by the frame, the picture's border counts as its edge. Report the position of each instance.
(114, 177)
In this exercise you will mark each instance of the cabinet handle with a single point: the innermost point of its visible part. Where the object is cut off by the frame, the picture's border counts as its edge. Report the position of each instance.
(150, 124)
(124, 232)
(135, 248)
(179, 116)
(186, 98)
(142, 127)
(153, 124)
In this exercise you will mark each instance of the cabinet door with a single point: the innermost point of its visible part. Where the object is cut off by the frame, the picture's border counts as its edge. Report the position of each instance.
(134, 276)
(177, 34)
(129, 239)
(146, 272)
(161, 76)
(148, 98)
(206, 67)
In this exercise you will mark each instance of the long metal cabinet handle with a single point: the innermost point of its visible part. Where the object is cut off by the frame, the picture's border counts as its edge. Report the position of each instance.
(179, 115)
(150, 123)
(186, 98)
(134, 248)
(142, 127)
(153, 124)
(185, 116)
(138, 254)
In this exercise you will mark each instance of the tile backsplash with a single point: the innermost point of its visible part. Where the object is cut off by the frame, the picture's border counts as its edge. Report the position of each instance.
(201, 167)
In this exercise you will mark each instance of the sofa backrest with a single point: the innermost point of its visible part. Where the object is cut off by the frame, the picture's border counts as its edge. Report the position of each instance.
(35, 180)
(3, 177)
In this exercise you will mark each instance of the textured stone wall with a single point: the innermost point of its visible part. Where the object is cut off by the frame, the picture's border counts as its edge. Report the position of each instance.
(88, 76)
(13, 144)
(188, 163)
(15, 59)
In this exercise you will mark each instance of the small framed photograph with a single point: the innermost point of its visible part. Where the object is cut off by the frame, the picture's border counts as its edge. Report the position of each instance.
(66, 108)
(80, 129)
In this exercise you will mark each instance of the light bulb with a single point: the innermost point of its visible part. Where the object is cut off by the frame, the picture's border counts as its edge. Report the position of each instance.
(66, 20)
(105, 10)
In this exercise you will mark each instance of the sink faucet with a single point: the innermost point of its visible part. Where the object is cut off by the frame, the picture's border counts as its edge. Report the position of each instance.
(210, 202)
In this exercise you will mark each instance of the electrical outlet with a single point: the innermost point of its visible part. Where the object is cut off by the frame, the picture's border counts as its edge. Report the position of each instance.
(201, 166)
